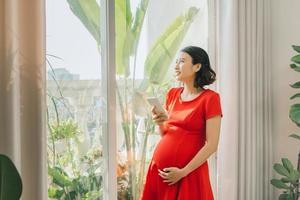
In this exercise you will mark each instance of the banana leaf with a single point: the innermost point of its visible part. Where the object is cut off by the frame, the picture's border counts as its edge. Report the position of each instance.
(137, 25)
(164, 50)
(88, 12)
(123, 19)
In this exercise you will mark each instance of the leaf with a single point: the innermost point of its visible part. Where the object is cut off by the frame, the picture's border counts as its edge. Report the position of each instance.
(123, 19)
(294, 114)
(296, 85)
(55, 193)
(163, 51)
(294, 176)
(295, 136)
(279, 184)
(296, 48)
(298, 173)
(296, 59)
(295, 67)
(287, 164)
(10, 180)
(88, 12)
(281, 170)
(295, 96)
(60, 178)
(138, 23)
(285, 196)
(285, 180)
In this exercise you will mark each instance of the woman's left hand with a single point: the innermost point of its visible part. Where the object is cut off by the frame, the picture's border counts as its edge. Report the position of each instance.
(172, 175)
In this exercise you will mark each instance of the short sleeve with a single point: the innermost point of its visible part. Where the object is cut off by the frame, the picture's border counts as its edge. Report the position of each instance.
(168, 99)
(213, 106)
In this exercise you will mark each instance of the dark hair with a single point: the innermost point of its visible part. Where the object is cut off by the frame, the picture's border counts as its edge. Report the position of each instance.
(205, 76)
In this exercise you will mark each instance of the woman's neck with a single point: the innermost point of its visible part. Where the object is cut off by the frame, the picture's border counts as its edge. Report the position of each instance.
(189, 89)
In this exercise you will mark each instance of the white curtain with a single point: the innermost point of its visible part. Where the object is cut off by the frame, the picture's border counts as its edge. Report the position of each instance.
(243, 51)
(22, 92)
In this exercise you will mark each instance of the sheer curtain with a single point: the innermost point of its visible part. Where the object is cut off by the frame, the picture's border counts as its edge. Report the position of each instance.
(22, 92)
(243, 51)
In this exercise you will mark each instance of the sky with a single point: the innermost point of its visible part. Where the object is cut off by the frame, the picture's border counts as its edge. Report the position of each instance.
(69, 40)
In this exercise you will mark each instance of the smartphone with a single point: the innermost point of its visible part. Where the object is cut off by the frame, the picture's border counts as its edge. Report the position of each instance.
(153, 101)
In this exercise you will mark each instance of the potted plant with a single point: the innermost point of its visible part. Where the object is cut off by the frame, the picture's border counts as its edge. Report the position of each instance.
(291, 175)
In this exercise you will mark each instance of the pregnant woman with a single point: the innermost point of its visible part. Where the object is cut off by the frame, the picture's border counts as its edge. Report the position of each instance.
(190, 133)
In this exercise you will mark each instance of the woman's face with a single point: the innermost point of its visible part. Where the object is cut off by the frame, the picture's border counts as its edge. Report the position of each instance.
(184, 69)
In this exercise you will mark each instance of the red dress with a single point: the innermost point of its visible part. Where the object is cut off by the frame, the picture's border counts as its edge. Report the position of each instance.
(183, 137)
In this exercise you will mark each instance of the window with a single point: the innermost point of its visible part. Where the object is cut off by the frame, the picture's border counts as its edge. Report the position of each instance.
(75, 156)
(149, 34)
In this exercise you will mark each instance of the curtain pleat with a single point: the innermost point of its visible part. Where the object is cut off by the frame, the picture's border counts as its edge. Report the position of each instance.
(22, 92)
(245, 153)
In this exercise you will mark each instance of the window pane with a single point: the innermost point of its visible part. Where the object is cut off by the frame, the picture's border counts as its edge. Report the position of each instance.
(149, 35)
(75, 158)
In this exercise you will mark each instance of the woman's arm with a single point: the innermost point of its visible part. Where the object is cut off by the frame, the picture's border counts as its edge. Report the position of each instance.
(174, 174)
(213, 126)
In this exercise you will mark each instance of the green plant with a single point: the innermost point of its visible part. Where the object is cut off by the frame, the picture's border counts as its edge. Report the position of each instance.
(10, 180)
(131, 103)
(71, 178)
(290, 180)
(81, 185)
(83, 177)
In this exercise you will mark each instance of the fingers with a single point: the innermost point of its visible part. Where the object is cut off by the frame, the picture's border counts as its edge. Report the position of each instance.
(166, 176)
(159, 118)
(153, 110)
(168, 169)
(163, 174)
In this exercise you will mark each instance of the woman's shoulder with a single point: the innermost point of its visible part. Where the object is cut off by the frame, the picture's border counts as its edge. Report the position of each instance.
(211, 94)
(174, 89)
(173, 92)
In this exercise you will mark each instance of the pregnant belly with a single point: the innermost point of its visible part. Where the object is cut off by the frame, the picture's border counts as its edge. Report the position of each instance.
(176, 148)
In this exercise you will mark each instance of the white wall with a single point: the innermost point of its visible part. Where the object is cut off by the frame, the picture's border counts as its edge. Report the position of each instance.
(285, 32)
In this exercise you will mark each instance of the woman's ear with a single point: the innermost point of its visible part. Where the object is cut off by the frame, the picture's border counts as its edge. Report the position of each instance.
(198, 67)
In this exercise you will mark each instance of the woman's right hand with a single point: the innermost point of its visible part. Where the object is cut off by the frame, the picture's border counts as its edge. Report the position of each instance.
(158, 117)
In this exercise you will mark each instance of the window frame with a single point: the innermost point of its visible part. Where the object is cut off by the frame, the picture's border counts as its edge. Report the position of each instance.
(108, 89)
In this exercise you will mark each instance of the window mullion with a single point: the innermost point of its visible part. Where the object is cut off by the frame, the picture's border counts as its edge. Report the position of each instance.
(108, 90)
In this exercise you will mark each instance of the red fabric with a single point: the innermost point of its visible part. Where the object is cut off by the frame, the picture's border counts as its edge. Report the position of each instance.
(183, 138)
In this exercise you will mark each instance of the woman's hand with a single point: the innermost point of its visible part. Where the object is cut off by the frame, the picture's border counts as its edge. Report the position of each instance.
(158, 117)
(172, 175)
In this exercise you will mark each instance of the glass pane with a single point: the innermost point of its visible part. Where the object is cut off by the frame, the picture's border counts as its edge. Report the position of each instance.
(75, 158)
(149, 35)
